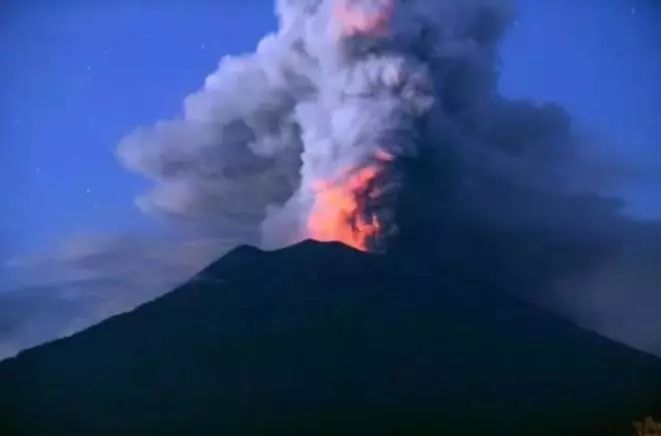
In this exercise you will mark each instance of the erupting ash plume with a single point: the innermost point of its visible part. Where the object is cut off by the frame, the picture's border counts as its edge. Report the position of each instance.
(314, 134)
(377, 123)
(340, 209)
(368, 92)
(300, 137)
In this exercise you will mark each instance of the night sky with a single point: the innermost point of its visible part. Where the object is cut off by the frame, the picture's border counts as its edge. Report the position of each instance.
(77, 76)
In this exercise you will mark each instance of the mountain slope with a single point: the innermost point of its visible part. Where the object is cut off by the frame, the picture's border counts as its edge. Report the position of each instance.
(321, 339)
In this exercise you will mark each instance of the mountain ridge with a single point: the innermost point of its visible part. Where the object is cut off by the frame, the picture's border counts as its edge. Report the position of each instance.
(319, 337)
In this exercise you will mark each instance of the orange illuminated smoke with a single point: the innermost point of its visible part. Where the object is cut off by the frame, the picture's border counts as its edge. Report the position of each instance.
(339, 212)
(355, 19)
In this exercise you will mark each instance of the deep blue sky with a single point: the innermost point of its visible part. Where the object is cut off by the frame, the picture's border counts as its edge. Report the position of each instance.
(76, 76)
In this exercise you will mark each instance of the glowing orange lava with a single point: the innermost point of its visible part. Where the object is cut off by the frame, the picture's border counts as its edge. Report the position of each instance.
(339, 212)
(355, 20)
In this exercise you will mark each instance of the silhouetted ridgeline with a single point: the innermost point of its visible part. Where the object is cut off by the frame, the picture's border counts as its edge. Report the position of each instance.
(321, 339)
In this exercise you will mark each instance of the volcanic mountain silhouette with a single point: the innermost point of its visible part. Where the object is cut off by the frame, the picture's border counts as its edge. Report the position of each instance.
(323, 339)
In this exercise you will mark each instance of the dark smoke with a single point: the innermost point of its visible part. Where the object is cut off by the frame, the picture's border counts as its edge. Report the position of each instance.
(499, 188)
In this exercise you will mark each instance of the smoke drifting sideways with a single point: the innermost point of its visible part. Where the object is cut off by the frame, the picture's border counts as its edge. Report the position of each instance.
(383, 117)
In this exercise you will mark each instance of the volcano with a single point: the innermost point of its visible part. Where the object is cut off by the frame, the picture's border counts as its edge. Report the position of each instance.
(320, 338)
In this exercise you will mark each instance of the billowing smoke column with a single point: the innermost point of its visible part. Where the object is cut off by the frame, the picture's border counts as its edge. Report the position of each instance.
(358, 121)
(341, 208)
(369, 91)
(299, 138)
